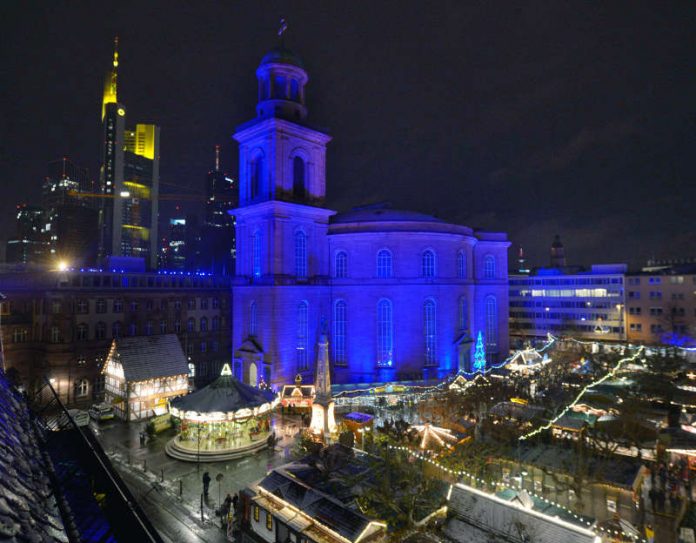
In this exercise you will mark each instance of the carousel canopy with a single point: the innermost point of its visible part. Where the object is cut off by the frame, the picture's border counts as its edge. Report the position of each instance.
(224, 395)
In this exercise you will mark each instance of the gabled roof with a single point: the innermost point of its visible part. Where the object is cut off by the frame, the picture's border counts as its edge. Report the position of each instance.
(150, 357)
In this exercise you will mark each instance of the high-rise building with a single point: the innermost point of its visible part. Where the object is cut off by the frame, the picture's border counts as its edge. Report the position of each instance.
(217, 254)
(558, 259)
(30, 244)
(129, 181)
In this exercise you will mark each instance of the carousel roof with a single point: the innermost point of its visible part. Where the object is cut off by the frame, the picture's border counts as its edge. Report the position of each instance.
(224, 395)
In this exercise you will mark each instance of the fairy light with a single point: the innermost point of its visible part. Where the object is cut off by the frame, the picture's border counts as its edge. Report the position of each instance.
(608, 375)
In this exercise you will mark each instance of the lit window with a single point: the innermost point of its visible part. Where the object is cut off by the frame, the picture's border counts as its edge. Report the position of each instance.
(300, 255)
(256, 254)
(269, 520)
(339, 339)
(384, 264)
(461, 265)
(489, 267)
(428, 264)
(116, 330)
(252, 319)
(148, 328)
(81, 388)
(341, 265)
(430, 332)
(163, 327)
(385, 334)
(256, 513)
(491, 324)
(302, 333)
(191, 369)
(82, 332)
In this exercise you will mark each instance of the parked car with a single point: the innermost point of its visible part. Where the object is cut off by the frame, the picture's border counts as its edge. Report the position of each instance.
(101, 411)
(79, 416)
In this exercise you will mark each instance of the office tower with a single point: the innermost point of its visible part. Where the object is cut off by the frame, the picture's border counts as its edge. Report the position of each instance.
(29, 244)
(129, 181)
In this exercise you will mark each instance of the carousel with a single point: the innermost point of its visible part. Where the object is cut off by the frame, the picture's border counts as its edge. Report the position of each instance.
(225, 420)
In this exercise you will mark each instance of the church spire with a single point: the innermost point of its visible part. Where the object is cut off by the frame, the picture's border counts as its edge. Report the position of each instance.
(110, 87)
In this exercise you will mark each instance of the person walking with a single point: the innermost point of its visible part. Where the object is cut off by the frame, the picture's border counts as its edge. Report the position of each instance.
(206, 483)
(650, 533)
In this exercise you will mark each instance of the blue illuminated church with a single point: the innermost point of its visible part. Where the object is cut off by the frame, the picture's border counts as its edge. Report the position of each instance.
(401, 294)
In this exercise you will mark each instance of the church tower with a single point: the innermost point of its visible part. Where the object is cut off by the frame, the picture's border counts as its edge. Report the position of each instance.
(281, 228)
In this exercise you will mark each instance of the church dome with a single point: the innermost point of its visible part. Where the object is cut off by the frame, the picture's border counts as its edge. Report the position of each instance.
(382, 215)
(282, 55)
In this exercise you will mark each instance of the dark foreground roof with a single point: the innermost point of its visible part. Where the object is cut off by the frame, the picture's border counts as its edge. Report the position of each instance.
(150, 357)
(28, 509)
(225, 395)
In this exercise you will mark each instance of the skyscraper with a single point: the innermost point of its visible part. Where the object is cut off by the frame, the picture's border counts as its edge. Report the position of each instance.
(217, 253)
(30, 243)
(129, 181)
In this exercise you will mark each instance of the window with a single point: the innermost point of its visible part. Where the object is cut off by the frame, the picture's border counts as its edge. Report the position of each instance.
(269, 520)
(204, 346)
(204, 303)
(132, 329)
(100, 331)
(191, 303)
(55, 307)
(635, 310)
(491, 323)
(256, 177)
(100, 306)
(149, 328)
(163, 326)
(463, 313)
(191, 325)
(339, 339)
(298, 178)
(461, 265)
(256, 254)
(341, 265)
(252, 319)
(636, 327)
(118, 306)
(655, 311)
(216, 303)
(134, 305)
(204, 324)
(655, 295)
(177, 305)
(191, 369)
(177, 326)
(82, 332)
(656, 328)
(189, 348)
(385, 334)
(384, 264)
(216, 323)
(55, 334)
(82, 306)
(81, 388)
(116, 330)
(634, 294)
(302, 333)
(214, 346)
(149, 305)
(300, 255)
(20, 335)
(430, 332)
(428, 264)
(489, 267)
(163, 305)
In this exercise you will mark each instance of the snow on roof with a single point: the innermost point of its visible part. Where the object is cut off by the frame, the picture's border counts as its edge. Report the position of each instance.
(151, 357)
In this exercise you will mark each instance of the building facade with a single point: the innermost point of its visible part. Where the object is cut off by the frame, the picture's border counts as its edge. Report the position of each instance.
(60, 325)
(29, 244)
(400, 293)
(129, 181)
(661, 305)
(569, 301)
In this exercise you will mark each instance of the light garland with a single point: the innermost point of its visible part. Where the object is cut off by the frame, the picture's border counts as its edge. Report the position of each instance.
(503, 486)
(608, 375)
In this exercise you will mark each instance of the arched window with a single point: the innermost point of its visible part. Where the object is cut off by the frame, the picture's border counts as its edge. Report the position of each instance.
(461, 265)
(385, 334)
(216, 323)
(430, 332)
(341, 265)
(191, 325)
(491, 324)
(463, 313)
(132, 329)
(256, 254)
(428, 263)
(294, 90)
(256, 177)
(252, 319)
(384, 264)
(339, 339)
(81, 388)
(82, 331)
(116, 330)
(100, 331)
(300, 254)
(302, 333)
(298, 178)
(177, 326)
(148, 328)
(489, 267)
(163, 326)
(204, 324)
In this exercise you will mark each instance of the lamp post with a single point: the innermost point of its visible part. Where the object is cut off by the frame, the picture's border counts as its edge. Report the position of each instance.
(198, 455)
(2, 351)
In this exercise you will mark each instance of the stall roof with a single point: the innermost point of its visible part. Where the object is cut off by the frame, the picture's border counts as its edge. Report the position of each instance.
(224, 395)
(151, 357)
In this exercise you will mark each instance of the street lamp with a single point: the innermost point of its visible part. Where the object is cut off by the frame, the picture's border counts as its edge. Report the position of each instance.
(198, 456)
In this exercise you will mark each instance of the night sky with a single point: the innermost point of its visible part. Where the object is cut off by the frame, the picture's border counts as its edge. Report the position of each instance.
(574, 118)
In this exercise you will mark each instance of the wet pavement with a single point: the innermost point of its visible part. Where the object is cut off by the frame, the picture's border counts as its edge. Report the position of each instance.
(171, 490)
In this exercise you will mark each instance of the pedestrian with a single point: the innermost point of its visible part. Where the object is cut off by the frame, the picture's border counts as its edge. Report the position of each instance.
(650, 533)
(235, 501)
(206, 483)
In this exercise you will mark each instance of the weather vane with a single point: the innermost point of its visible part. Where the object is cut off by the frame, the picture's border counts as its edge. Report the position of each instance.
(282, 28)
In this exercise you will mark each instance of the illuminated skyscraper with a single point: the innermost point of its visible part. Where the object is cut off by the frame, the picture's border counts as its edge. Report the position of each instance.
(129, 181)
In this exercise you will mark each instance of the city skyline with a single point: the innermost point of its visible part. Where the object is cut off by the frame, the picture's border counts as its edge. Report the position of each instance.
(535, 142)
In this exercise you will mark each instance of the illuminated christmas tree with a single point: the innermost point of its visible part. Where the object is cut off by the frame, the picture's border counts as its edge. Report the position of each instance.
(480, 355)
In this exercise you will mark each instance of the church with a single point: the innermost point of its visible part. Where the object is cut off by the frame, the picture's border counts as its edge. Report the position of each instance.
(400, 294)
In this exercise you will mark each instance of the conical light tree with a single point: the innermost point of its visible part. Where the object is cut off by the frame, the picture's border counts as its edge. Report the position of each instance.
(480, 355)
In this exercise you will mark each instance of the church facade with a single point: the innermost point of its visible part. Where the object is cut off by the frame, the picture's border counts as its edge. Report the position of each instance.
(400, 294)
